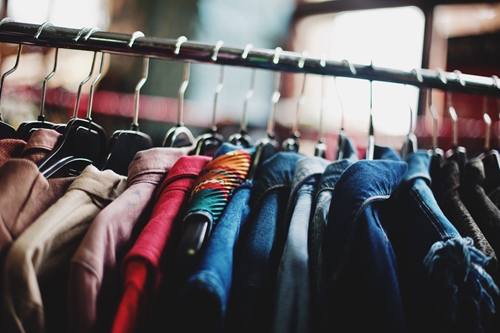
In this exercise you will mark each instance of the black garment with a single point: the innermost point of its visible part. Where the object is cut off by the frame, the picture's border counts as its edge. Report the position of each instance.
(457, 212)
(484, 212)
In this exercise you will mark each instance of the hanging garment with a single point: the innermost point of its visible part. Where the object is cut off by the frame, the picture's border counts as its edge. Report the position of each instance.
(319, 220)
(37, 266)
(94, 285)
(457, 213)
(484, 212)
(205, 294)
(24, 193)
(209, 198)
(10, 148)
(443, 284)
(252, 294)
(292, 301)
(360, 265)
(151, 261)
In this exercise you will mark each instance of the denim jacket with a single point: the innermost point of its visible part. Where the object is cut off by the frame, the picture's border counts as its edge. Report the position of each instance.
(360, 264)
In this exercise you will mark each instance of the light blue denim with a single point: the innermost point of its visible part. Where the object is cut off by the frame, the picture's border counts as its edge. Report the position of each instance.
(442, 280)
(252, 295)
(292, 301)
(360, 264)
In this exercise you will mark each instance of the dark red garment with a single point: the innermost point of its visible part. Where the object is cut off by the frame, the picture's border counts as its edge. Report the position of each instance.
(141, 268)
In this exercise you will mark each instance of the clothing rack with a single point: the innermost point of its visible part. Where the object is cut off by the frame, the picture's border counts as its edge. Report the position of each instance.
(118, 43)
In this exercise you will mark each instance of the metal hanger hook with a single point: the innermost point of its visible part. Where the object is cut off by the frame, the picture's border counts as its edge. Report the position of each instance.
(496, 81)
(41, 116)
(441, 75)
(92, 87)
(135, 35)
(218, 89)
(145, 71)
(322, 63)
(180, 41)
(41, 27)
(460, 79)
(301, 99)
(487, 121)
(6, 20)
(80, 33)
(250, 92)
(276, 95)
(91, 32)
(350, 66)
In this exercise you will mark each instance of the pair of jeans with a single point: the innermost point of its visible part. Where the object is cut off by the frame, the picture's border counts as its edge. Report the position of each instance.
(292, 301)
(252, 295)
(443, 284)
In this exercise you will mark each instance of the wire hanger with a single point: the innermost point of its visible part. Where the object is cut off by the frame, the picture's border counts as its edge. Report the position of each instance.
(208, 143)
(320, 147)
(268, 145)
(242, 138)
(456, 153)
(410, 144)
(342, 137)
(124, 144)
(84, 142)
(180, 135)
(27, 128)
(292, 143)
(370, 148)
(6, 130)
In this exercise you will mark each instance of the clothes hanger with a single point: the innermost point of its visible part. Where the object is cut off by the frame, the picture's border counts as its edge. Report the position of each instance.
(124, 144)
(410, 144)
(87, 31)
(268, 145)
(180, 135)
(242, 138)
(436, 154)
(370, 148)
(6, 130)
(27, 128)
(489, 157)
(292, 143)
(456, 153)
(342, 137)
(208, 143)
(320, 147)
(84, 142)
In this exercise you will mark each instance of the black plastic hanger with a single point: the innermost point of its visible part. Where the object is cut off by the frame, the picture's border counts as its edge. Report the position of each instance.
(436, 153)
(6, 130)
(342, 137)
(489, 157)
(209, 142)
(180, 135)
(27, 128)
(242, 138)
(292, 143)
(320, 147)
(83, 142)
(124, 144)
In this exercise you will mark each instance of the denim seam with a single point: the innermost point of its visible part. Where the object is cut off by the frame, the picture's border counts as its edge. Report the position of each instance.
(353, 228)
(269, 189)
(321, 190)
(428, 212)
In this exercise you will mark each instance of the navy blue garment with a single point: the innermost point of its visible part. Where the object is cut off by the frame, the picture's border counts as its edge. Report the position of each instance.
(443, 283)
(327, 182)
(360, 264)
(252, 295)
(292, 302)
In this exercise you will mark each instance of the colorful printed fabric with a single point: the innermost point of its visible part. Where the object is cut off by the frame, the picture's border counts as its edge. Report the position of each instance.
(215, 183)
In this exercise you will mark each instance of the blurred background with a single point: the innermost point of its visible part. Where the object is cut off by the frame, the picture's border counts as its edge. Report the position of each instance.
(451, 35)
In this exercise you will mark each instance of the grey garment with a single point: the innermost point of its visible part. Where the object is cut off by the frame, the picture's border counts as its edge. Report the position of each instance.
(292, 288)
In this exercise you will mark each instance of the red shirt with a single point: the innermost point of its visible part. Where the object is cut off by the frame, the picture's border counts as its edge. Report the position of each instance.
(141, 268)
